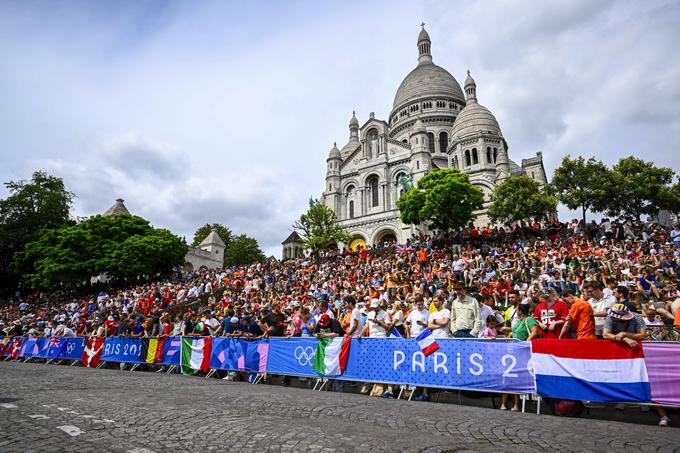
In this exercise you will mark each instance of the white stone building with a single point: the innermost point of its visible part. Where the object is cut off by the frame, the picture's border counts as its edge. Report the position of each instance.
(209, 254)
(433, 124)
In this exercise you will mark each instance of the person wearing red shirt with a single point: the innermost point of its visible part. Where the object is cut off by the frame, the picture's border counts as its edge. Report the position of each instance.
(550, 314)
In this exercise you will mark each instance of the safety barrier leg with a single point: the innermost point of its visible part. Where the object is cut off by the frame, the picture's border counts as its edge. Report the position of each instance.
(413, 391)
(538, 404)
(323, 384)
(524, 402)
(101, 364)
(401, 391)
(134, 367)
(74, 362)
(316, 384)
(259, 378)
(171, 369)
(210, 373)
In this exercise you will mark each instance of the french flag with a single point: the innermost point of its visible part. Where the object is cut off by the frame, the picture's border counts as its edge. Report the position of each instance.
(426, 342)
(592, 370)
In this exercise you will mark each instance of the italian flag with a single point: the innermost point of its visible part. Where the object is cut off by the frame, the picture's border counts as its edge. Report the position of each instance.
(196, 354)
(331, 356)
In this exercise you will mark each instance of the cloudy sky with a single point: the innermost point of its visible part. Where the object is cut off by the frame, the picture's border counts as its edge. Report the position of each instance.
(205, 111)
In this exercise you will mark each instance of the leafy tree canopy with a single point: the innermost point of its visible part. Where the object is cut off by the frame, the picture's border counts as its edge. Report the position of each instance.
(319, 228)
(520, 198)
(41, 202)
(641, 188)
(582, 184)
(120, 246)
(445, 199)
(243, 250)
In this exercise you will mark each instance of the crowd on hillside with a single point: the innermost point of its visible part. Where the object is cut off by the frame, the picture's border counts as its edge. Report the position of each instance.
(616, 280)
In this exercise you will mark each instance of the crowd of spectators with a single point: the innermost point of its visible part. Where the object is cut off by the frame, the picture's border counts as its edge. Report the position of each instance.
(616, 280)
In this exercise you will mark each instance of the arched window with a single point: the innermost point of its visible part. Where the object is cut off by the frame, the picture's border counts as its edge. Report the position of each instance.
(443, 142)
(430, 142)
(467, 158)
(373, 190)
(475, 157)
(488, 155)
(351, 209)
(495, 155)
(455, 162)
(350, 190)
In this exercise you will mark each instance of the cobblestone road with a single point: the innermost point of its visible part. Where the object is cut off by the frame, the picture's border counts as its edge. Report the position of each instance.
(58, 408)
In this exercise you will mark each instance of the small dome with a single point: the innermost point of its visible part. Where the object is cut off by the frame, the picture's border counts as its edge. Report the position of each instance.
(354, 122)
(474, 118)
(469, 80)
(334, 153)
(423, 35)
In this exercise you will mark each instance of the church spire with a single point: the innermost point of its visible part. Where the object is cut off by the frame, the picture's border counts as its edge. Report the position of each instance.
(470, 88)
(424, 44)
(353, 126)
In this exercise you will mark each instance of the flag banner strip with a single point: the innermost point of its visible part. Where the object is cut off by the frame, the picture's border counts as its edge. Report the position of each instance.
(663, 369)
(586, 349)
(564, 387)
(594, 370)
(615, 371)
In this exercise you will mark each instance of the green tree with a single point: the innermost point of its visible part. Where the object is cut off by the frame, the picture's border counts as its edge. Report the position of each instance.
(120, 246)
(243, 250)
(447, 199)
(582, 184)
(520, 198)
(203, 232)
(641, 188)
(42, 202)
(319, 228)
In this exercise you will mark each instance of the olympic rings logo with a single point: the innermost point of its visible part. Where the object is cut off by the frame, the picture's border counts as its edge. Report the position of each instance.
(304, 356)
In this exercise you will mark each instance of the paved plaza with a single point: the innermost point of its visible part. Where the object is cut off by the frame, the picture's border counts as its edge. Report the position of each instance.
(59, 408)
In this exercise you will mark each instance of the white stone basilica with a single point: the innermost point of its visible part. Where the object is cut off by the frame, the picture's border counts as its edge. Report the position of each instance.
(432, 125)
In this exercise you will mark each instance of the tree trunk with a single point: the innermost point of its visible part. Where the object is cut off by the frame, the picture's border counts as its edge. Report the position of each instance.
(584, 215)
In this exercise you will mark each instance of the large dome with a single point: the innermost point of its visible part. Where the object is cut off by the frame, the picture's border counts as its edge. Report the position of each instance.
(427, 80)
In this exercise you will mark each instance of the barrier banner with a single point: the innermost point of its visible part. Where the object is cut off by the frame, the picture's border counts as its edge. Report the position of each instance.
(31, 347)
(663, 370)
(172, 351)
(236, 354)
(592, 370)
(52, 348)
(486, 365)
(294, 356)
(72, 348)
(122, 349)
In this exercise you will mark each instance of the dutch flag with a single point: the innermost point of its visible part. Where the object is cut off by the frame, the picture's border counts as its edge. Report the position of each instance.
(426, 342)
(593, 370)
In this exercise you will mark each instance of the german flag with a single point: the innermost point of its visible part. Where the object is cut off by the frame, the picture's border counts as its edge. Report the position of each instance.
(152, 350)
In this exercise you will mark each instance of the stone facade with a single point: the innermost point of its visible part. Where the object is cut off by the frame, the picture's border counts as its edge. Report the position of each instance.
(292, 247)
(209, 254)
(433, 124)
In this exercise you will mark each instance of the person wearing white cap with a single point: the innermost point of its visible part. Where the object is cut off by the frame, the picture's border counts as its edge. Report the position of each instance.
(377, 323)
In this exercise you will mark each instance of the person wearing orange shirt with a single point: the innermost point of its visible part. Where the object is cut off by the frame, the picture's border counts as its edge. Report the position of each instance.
(580, 317)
